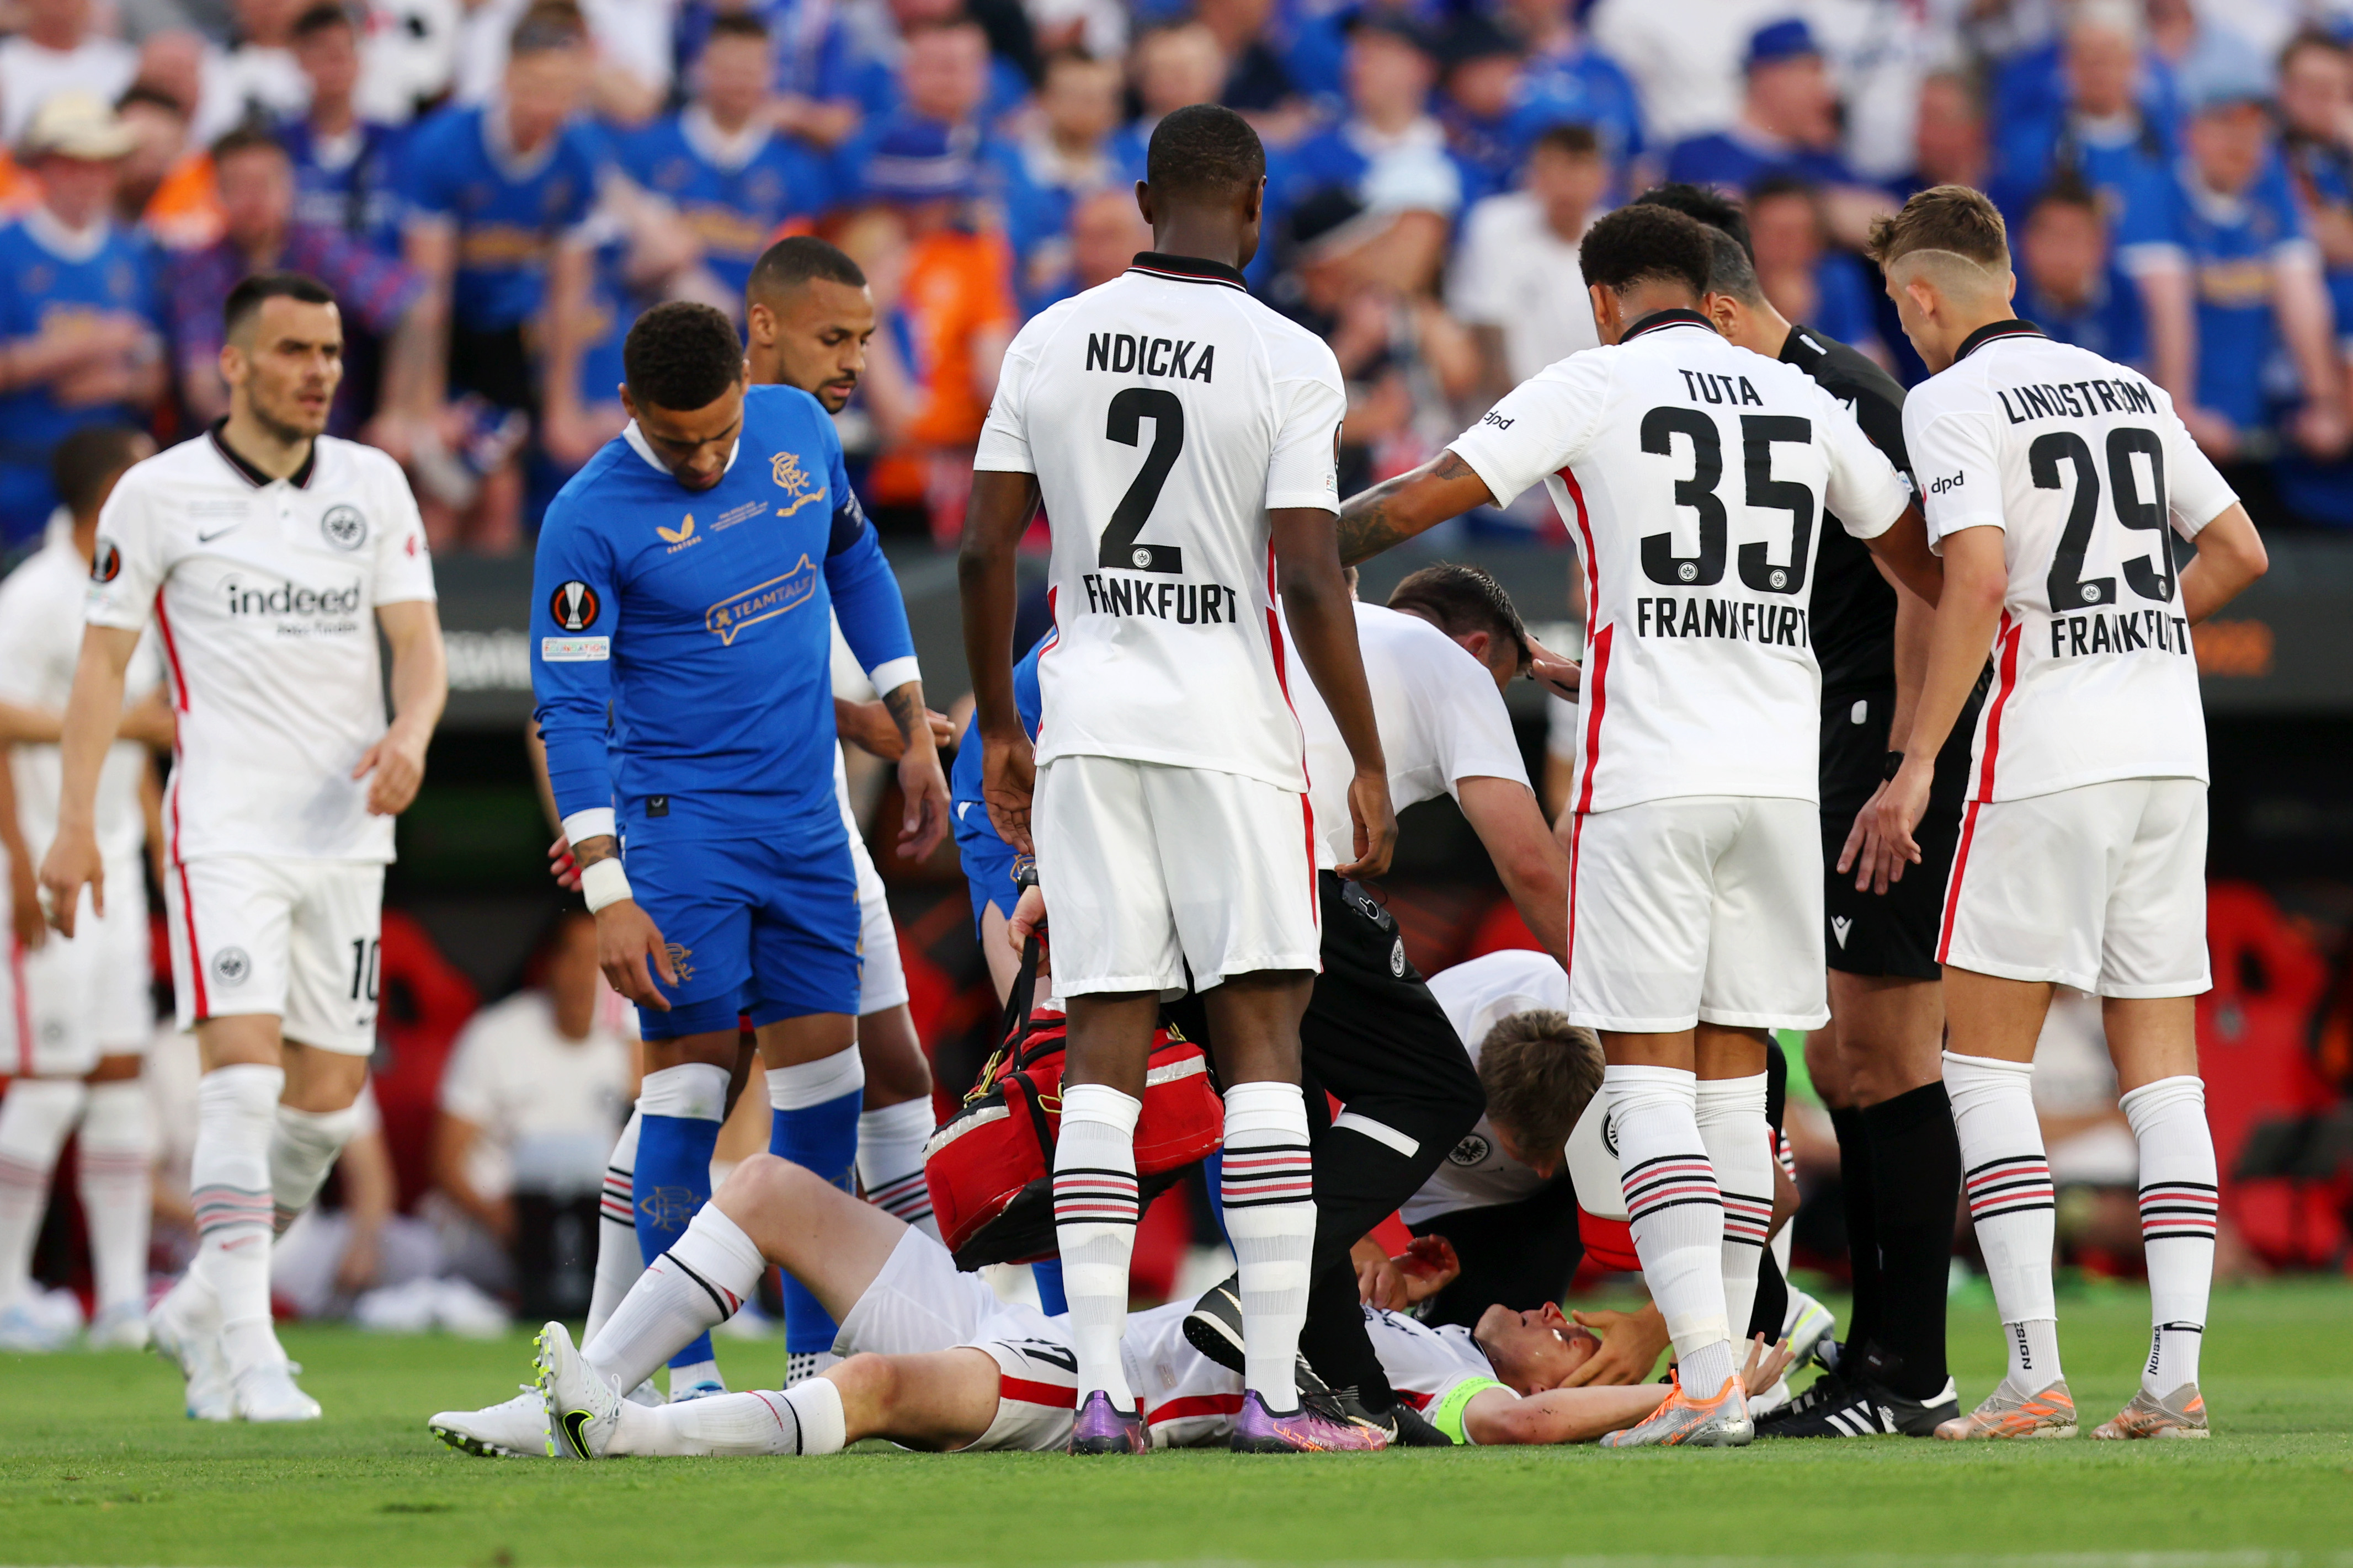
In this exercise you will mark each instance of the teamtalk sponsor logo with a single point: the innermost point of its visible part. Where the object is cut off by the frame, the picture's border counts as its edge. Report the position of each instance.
(1731, 620)
(795, 481)
(574, 606)
(2074, 399)
(105, 562)
(231, 967)
(763, 602)
(1123, 353)
(1186, 604)
(1470, 1151)
(291, 598)
(345, 527)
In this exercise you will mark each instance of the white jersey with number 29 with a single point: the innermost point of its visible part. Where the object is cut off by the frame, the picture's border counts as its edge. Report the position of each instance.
(1165, 413)
(2083, 465)
(1694, 476)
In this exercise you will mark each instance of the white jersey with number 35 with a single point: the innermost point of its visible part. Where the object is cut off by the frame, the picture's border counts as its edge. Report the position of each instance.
(1694, 476)
(1165, 413)
(2084, 465)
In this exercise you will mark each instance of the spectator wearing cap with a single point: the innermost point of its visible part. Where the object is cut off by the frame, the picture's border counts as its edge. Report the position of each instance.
(346, 167)
(2315, 103)
(2068, 281)
(59, 49)
(79, 321)
(2264, 356)
(732, 181)
(1066, 158)
(1516, 281)
(949, 314)
(1788, 122)
(1574, 80)
(387, 326)
(1390, 153)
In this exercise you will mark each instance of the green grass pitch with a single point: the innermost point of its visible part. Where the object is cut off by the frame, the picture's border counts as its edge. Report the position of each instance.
(97, 1466)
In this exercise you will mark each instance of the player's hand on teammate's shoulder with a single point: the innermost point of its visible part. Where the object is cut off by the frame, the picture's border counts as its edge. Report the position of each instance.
(1376, 826)
(1008, 776)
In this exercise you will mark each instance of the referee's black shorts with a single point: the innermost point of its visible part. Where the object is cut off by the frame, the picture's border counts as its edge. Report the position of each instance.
(1894, 934)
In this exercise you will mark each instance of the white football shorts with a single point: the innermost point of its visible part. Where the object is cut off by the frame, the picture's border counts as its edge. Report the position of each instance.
(2101, 888)
(920, 1303)
(1697, 908)
(1147, 869)
(881, 977)
(78, 1000)
(293, 937)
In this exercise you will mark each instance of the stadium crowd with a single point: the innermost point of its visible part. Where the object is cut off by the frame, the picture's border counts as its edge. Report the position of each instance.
(496, 190)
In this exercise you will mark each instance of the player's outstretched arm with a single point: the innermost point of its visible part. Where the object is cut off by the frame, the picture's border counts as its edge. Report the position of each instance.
(1003, 501)
(1395, 510)
(93, 714)
(2231, 556)
(1977, 579)
(1322, 617)
(420, 690)
(1503, 813)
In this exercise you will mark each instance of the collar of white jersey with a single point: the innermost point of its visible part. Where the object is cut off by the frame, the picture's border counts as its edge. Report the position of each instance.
(1658, 321)
(300, 478)
(1188, 270)
(1994, 333)
(644, 449)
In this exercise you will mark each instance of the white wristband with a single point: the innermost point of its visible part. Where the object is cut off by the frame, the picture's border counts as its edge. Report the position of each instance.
(603, 882)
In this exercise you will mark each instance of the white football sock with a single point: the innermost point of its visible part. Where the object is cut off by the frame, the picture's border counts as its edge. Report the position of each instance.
(2177, 1212)
(805, 1419)
(1096, 1212)
(117, 1151)
(619, 1259)
(34, 1120)
(891, 1162)
(228, 1182)
(700, 1282)
(1267, 1186)
(1676, 1214)
(303, 1148)
(1739, 1142)
(2007, 1180)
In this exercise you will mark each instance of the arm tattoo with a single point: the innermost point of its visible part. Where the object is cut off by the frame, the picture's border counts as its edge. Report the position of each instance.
(604, 847)
(1368, 522)
(906, 705)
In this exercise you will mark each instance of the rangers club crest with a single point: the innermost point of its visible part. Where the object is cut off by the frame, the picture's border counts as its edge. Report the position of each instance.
(574, 606)
(795, 481)
(344, 526)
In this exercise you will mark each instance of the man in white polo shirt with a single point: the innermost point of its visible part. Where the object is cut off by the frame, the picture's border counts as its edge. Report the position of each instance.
(267, 555)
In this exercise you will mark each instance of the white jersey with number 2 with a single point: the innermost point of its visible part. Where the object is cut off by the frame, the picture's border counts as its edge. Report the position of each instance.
(2085, 467)
(1165, 413)
(1694, 476)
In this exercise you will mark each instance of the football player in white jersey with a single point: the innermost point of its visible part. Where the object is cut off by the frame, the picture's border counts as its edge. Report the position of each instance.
(938, 1362)
(1694, 476)
(1182, 437)
(85, 1016)
(267, 555)
(2055, 482)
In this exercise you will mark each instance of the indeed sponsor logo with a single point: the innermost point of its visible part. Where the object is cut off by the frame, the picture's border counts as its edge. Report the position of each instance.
(290, 599)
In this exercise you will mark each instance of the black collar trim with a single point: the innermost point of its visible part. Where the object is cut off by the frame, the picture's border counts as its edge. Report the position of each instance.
(300, 478)
(1188, 270)
(1994, 331)
(1677, 317)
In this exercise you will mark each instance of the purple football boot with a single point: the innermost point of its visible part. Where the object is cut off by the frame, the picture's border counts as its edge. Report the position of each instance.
(1306, 1430)
(1103, 1427)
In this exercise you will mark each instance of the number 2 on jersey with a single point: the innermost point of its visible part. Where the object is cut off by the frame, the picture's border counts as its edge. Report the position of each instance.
(1129, 409)
(1758, 432)
(2151, 579)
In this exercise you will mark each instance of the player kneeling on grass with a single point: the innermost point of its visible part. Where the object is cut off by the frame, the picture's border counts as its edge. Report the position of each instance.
(934, 1361)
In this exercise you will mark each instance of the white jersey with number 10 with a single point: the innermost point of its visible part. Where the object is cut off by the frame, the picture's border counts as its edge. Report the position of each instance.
(2084, 465)
(1694, 476)
(1165, 413)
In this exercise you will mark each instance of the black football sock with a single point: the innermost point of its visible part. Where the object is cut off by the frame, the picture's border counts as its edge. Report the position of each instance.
(1772, 1308)
(1856, 1194)
(1915, 1183)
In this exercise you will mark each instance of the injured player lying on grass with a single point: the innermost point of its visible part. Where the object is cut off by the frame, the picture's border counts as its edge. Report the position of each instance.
(936, 1362)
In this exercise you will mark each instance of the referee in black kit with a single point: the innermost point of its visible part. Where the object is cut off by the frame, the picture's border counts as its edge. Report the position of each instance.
(1879, 1063)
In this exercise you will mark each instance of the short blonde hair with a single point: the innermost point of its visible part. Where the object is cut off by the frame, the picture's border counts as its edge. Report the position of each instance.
(1953, 218)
